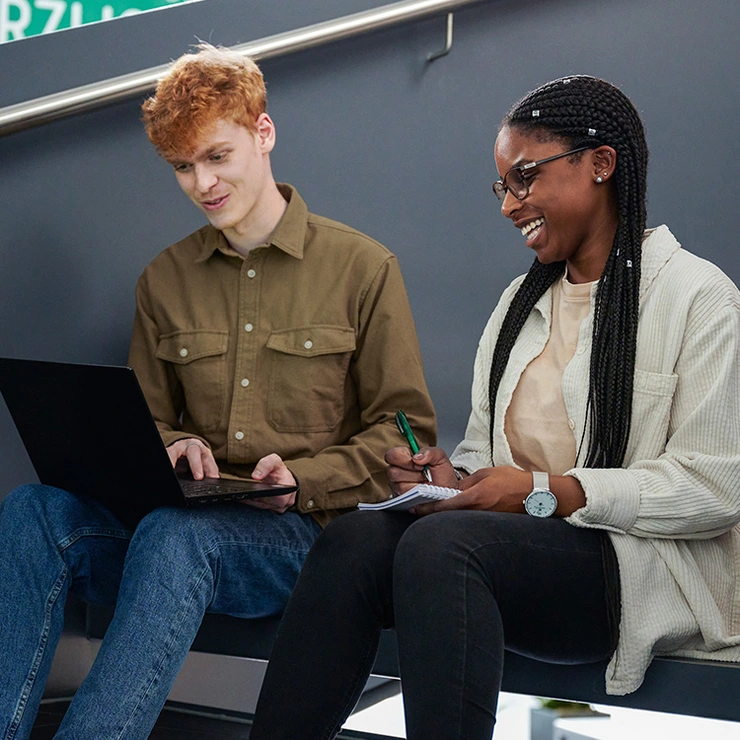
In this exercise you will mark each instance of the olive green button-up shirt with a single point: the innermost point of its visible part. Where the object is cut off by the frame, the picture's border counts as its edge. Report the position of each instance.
(305, 347)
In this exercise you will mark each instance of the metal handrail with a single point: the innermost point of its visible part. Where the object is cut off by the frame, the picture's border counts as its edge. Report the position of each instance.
(88, 97)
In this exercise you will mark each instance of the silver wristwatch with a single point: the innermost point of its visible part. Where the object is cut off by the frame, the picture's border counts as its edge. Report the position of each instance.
(541, 502)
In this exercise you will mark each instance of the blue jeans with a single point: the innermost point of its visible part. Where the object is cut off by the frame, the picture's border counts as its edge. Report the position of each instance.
(177, 565)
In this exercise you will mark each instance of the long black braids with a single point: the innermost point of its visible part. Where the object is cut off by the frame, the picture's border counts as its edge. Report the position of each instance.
(586, 111)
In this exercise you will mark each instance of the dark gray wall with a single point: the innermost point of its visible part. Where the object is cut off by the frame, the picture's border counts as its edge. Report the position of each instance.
(371, 135)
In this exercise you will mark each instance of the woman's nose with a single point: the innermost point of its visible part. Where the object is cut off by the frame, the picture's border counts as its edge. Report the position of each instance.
(510, 205)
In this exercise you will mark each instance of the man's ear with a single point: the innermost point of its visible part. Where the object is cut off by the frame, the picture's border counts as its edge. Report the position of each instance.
(265, 132)
(604, 161)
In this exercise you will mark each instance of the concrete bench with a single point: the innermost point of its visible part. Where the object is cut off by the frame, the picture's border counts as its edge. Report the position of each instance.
(679, 686)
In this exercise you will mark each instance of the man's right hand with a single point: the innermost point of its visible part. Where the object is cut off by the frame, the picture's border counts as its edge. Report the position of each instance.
(200, 458)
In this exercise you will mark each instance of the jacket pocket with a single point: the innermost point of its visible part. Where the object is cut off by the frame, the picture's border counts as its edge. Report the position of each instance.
(307, 377)
(652, 399)
(199, 361)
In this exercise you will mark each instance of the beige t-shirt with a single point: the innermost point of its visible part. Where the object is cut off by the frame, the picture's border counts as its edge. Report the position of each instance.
(536, 425)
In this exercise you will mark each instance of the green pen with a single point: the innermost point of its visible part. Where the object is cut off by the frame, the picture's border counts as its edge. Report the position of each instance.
(405, 428)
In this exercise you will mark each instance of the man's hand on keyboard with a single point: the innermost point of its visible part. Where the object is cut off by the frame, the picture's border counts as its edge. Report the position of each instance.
(271, 469)
(200, 458)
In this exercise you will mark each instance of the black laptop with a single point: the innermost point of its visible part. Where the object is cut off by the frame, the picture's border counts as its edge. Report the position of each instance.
(88, 429)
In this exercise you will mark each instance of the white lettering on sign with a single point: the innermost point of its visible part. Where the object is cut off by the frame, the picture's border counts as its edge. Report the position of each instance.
(15, 17)
(75, 15)
(56, 10)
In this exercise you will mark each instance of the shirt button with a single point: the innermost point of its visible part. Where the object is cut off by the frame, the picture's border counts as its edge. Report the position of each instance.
(239, 435)
(251, 273)
(245, 382)
(571, 424)
(183, 352)
(248, 327)
(580, 350)
(309, 504)
(308, 344)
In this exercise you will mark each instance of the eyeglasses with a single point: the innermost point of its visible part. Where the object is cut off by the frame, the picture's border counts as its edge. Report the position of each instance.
(515, 182)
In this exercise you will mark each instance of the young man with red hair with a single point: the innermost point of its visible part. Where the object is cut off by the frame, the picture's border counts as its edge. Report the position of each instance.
(271, 343)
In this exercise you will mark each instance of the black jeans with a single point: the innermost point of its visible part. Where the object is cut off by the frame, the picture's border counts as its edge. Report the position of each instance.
(458, 587)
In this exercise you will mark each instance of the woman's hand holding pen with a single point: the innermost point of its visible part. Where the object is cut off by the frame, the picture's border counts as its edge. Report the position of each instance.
(406, 469)
(488, 489)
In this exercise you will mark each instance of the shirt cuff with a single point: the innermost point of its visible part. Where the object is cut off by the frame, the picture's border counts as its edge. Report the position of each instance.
(169, 438)
(470, 462)
(612, 499)
(312, 478)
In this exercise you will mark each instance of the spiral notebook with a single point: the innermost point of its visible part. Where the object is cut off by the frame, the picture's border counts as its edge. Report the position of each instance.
(421, 494)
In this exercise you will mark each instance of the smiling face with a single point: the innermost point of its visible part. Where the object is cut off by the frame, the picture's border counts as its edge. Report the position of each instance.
(228, 175)
(567, 214)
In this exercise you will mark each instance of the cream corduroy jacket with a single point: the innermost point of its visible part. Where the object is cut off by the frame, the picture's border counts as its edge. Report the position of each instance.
(672, 511)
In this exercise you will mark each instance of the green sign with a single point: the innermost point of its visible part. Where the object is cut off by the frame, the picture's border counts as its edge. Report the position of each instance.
(20, 19)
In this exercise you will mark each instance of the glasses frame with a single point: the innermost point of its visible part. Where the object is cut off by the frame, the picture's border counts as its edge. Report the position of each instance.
(500, 188)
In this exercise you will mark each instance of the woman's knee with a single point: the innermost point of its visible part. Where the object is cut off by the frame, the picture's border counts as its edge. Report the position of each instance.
(452, 542)
(360, 535)
(432, 536)
(354, 555)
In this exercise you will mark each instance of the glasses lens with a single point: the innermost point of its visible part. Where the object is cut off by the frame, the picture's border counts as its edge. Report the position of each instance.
(516, 184)
(499, 189)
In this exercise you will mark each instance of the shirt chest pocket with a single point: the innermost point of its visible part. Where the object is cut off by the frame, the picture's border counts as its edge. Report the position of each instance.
(199, 361)
(308, 375)
(652, 399)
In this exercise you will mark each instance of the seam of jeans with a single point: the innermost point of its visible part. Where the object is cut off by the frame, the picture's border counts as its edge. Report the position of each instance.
(174, 632)
(78, 534)
(464, 656)
(43, 640)
(335, 726)
(257, 546)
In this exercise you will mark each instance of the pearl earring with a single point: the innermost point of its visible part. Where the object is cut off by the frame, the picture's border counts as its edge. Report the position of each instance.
(599, 179)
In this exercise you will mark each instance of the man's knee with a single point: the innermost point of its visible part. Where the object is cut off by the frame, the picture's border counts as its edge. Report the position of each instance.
(184, 537)
(169, 527)
(21, 498)
(32, 500)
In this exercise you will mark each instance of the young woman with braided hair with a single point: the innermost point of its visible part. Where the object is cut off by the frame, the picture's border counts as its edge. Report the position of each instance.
(600, 471)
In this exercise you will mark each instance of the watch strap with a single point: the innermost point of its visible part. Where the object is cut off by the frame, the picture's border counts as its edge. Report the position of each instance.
(540, 481)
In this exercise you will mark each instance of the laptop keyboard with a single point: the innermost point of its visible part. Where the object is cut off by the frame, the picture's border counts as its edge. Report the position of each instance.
(194, 488)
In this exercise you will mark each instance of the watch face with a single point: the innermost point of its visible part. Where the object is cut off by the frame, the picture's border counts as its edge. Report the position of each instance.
(541, 504)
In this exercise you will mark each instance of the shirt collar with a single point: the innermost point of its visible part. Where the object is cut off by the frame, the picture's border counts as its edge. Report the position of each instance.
(289, 235)
(658, 246)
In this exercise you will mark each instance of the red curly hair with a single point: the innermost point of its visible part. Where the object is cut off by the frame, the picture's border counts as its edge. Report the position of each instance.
(200, 89)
